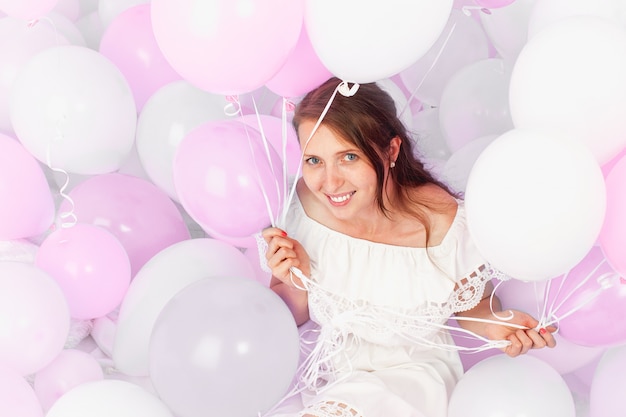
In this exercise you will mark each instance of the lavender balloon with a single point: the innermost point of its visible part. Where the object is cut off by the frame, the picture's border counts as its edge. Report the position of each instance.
(223, 346)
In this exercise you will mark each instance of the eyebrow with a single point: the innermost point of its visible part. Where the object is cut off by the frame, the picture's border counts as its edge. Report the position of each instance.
(350, 150)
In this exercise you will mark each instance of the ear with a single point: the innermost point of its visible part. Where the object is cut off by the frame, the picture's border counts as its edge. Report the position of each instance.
(394, 148)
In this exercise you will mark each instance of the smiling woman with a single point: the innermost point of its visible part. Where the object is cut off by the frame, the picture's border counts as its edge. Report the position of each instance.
(375, 254)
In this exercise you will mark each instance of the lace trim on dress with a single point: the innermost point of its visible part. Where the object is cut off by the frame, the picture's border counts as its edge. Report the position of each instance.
(330, 408)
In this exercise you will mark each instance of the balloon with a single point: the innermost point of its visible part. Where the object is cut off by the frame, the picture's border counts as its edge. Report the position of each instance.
(507, 28)
(108, 398)
(459, 165)
(135, 211)
(26, 41)
(429, 141)
(17, 398)
(27, 208)
(108, 10)
(546, 12)
(91, 267)
(462, 42)
(474, 103)
(500, 385)
(567, 356)
(343, 35)
(27, 9)
(516, 197)
(223, 346)
(227, 47)
(302, 72)
(130, 44)
(35, 318)
(590, 295)
(287, 147)
(63, 26)
(168, 115)
(576, 60)
(69, 369)
(158, 281)
(226, 180)
(72, 109)
(606, 397)
(612, 236)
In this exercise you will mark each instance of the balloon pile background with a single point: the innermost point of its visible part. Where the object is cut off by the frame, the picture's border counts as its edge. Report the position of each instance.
(143, 144)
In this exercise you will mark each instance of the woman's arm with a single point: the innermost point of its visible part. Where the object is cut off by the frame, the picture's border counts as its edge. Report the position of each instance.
(283, 254)
(521, 340)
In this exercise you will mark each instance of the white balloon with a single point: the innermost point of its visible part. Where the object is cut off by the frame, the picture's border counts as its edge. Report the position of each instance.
(462, 42)
(369, 40)
(459, 165)
(504, 386)
(570, 77)
(168, 115)
(546, 12)
(535, 203)
(108, 398)
(157, 282)
(475, 103)
(72, 109)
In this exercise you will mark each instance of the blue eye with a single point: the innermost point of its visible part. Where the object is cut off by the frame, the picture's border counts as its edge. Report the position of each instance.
(312, 161)
(351, 157)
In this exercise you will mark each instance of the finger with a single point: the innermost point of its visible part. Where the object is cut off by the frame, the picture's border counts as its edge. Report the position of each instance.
(272, 232)
(276, 243)
(537, 339)
(547, 336)
(525, 340)
(515, 348)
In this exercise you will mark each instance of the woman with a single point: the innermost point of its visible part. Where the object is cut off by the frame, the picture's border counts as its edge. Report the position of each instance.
(376, 252)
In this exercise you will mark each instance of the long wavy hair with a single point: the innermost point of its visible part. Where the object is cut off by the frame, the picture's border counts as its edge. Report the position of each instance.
(368, 120)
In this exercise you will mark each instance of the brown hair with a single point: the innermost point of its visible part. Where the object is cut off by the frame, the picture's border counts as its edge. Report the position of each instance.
(368, 119)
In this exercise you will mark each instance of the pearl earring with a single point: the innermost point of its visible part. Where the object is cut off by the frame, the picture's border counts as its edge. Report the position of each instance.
(392, 164)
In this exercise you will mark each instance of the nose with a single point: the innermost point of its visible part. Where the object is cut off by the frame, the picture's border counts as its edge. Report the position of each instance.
(333, 178)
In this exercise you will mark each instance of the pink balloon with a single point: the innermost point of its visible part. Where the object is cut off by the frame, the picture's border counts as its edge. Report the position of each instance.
(27, 9)
(613, 234)
(302, 72)
(227, 47)
(69, 369)
(566, 356)
(129, 42)
(17, 398)
(595, 296)
(141, 215)
(27, 208)
(224, 177)
(273, 129)
(91, 267)
(223, 346)
(35, 318)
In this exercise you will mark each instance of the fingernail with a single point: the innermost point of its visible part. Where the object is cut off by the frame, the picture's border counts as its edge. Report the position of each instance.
(542, 331)
(282, 232)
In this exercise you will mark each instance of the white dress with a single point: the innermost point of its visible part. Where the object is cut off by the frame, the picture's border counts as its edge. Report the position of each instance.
(379, 312)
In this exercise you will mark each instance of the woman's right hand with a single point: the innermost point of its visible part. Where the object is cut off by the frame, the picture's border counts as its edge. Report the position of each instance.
(282, 254)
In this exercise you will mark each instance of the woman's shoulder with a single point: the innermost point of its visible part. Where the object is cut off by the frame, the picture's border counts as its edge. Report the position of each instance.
(441, 208)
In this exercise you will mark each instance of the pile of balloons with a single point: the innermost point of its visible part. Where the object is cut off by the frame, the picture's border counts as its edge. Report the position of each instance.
(144, 143)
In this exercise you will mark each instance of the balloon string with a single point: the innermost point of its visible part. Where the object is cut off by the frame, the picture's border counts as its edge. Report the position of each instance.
(554, 309)
(432, 65)
(58, 137)
(234, 109)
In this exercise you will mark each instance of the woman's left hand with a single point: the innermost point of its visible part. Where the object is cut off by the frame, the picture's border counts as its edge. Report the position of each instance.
(521, 340)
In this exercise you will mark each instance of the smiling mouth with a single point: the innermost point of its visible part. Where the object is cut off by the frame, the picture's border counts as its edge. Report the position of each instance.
(338, 199)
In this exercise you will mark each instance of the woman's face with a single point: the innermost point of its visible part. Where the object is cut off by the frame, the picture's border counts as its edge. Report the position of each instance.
(337, 173)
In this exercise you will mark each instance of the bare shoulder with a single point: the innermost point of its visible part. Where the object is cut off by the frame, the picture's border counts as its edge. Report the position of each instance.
(441, 207)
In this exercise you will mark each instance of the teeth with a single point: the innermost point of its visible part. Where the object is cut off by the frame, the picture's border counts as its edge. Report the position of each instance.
(341, 199)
